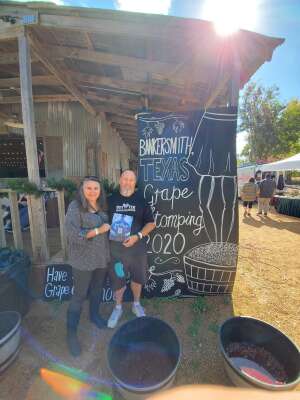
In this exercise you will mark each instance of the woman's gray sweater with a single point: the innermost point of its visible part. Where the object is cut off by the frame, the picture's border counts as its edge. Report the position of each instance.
(86, 254)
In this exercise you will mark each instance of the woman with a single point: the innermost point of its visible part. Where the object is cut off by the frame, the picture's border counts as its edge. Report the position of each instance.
(88, 253)
(248, 195)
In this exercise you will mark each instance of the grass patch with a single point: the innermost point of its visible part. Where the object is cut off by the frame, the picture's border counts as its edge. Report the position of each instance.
(193, 328)
(195, 364)
(199, 305)
(214, 327)
(177, 317)
(227, 300)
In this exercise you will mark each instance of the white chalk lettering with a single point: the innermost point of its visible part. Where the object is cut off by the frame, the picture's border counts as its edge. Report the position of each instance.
(165, 169)
(56, 291)
(165, 146)
(177, 221)
(54, 275)
(167, 194)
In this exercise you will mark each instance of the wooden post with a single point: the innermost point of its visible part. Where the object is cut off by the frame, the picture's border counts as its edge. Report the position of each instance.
(235, 79)
(61, 214)
(2, 231)
(36, 206)
(15, 219)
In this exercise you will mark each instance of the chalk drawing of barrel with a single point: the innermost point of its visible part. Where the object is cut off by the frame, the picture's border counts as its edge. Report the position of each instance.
(210, 268)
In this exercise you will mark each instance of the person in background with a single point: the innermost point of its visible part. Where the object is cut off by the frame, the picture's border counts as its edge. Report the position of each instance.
(88, 252)
(266, 191)
(130, 255)
(280, 183)
(248, 195)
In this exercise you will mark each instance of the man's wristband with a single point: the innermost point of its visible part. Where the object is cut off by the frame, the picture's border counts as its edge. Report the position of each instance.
(97, 231)
(140, 235)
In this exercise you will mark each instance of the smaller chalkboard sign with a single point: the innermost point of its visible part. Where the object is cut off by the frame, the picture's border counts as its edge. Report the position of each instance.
(58, 282)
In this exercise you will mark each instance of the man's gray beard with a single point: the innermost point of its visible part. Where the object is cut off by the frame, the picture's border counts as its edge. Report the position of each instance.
(126, 192)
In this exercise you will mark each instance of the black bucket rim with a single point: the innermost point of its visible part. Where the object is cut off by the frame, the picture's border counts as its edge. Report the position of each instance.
(251, 379)
(11, 333)
(149, 389)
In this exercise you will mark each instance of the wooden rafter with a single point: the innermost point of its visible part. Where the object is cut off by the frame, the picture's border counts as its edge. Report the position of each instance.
(65, 80)
(121, 120)
(120, 27)
(162, 89)
(160, 70)
(112, 86)
(100, 57)
(3, 115)
(89, 42)
(124, 125)
(38, 80)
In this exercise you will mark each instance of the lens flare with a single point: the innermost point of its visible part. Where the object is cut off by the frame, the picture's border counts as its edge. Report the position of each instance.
(71, 388)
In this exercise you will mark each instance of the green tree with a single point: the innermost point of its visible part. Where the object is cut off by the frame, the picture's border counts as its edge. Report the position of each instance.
(289, 129)
(260, 111)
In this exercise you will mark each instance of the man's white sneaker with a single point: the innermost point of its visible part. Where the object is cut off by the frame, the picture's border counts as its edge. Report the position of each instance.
(114, 318)
(138, 310)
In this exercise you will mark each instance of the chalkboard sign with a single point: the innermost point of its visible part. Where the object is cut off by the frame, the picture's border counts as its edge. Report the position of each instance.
(58, 282)
(58, 285)
(187, 171)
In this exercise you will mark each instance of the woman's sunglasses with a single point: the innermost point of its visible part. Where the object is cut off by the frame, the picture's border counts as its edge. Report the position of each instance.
(91, 178)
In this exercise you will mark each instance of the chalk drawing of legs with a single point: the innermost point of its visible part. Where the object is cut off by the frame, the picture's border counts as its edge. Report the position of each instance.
(214, 134)
(211, 205)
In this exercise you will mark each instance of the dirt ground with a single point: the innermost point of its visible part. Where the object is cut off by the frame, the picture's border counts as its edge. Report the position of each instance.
(267, 287)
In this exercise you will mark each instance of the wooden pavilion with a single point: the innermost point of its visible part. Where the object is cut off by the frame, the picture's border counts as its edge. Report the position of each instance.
(106, 66)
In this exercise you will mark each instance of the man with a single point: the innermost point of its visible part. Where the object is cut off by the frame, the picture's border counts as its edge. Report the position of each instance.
(129, 256)
(266, 191)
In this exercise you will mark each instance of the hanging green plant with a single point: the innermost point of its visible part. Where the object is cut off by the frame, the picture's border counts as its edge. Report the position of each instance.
(67, 185)
(108, 186)
(24, 186)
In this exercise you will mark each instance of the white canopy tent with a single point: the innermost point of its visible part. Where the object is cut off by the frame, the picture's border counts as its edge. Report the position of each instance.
(289, 164)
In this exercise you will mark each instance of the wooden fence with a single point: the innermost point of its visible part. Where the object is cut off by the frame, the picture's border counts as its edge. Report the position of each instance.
(16, 225)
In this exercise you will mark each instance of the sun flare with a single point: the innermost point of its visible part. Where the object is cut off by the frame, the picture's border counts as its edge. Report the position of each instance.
(229, 16)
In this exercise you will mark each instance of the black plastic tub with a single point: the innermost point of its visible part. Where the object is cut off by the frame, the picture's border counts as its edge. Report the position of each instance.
(14, 281)
(257, 333)
(10, 335)
(143, 357)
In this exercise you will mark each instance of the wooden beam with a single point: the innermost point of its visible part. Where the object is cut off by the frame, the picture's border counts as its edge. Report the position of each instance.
(2, 230)
(61, 213)
(127, 24)
(11, 32)
(9, 58)
(162, 89)
(36, 207)
(122, 120)
(100, 57)
(128, 135)
(65, 80)
(40, 98)
(235, 79)
(115, 105)
(89, 42)
(3, 115)
(38, 80)
(124, 126)
(106, 25)
(15, 219)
